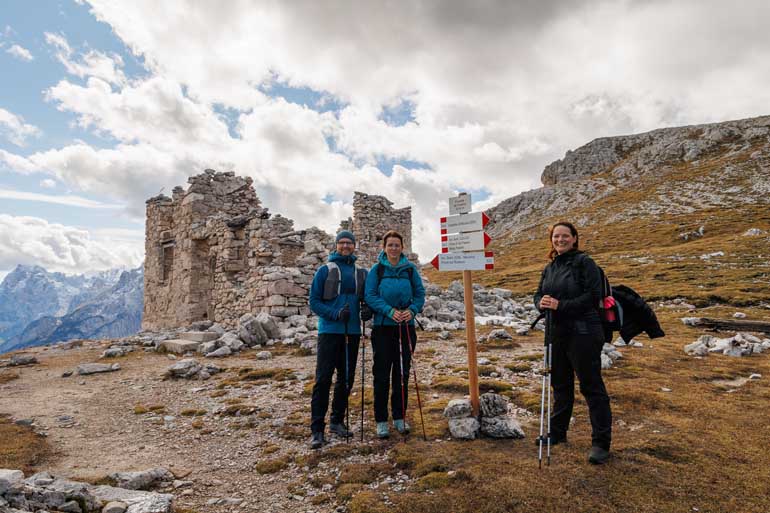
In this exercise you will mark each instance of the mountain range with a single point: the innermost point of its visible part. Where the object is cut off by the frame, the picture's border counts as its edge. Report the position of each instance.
(38, 307)
(681, 212)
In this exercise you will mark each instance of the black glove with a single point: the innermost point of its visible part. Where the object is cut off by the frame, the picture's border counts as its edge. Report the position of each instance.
(366, 312)
(344, 313)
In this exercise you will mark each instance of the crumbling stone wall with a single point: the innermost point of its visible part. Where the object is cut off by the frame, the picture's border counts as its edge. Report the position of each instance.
(372, 217)
(214, 253)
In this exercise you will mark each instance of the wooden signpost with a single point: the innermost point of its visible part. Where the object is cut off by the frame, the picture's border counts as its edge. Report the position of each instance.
(462, 249)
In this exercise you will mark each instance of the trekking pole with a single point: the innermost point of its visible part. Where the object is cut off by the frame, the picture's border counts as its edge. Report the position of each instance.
(363, 375)
(550, 357)
(546, 384)
(416, 386)
(401, 365)
(347, 385)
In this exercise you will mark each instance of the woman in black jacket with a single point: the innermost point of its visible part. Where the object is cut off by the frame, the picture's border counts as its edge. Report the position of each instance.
(569, 292)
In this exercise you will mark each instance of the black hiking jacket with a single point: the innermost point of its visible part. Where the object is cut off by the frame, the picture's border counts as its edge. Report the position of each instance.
(637, 314)
(578, 287)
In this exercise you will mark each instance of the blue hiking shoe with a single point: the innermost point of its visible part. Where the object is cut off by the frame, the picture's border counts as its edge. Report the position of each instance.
(382, 430)
(402, 426)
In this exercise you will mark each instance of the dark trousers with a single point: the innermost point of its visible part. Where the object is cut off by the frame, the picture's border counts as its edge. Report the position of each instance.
(581, 355)
(331, 357)
(387, 369)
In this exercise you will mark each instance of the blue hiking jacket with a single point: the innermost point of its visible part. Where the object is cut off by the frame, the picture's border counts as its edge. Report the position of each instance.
(328, 311)
(394, 291)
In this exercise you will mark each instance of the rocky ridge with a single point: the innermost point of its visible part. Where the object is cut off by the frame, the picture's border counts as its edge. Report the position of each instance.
(602, 167)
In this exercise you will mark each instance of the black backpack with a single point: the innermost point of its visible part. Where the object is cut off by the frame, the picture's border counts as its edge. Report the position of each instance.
(610, 311)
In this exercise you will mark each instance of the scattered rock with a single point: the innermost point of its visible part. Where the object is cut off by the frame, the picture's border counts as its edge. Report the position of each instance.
(95, 368)
(141, 480)
(22, 359)
(493, 405)
(458, 408)
(222, 351)
(264, 355)
(502, 426)
(465, 429)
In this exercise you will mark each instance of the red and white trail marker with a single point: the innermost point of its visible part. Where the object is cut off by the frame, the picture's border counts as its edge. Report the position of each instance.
(464, 223)
(469, 241)
(474, 261)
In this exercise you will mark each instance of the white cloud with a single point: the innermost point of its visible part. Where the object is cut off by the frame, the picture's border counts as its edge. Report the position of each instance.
(48, 183)
(498, 89)
(20, 53)
(56, 247)
(72, 201)
(13, 128)
(90, 64)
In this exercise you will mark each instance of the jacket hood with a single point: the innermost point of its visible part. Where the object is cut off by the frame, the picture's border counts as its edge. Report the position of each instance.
(383, 260)
(339, 259)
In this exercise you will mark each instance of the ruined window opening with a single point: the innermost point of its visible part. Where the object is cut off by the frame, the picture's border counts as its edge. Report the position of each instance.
(166, 260)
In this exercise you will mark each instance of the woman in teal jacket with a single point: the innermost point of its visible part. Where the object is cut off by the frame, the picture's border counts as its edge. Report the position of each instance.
(395, 293)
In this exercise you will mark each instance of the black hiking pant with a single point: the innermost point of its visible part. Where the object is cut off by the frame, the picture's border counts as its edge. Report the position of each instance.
(387, 369)
(580, 355)
(331, 357)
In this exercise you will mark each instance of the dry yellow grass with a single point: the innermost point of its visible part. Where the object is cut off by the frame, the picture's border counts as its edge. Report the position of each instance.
(21, 448)
(699, 446)
(703, 446)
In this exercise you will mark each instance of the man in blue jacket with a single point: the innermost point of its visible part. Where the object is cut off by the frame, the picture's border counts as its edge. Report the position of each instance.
(335, 296)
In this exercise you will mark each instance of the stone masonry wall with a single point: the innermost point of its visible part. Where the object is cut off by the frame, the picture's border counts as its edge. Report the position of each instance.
(372, 217)
(213, 253)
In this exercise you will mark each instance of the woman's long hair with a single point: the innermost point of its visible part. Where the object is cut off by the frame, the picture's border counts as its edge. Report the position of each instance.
(552, 251)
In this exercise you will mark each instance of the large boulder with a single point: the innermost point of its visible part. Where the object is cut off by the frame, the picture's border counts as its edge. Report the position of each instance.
(141, 480)
(465, 429)
(269, 325)
(95, 368)
(250, 331)
(22, 359)
(9, 478)
(493, 405)
(185, 369)
(501, 426)
(458, 409)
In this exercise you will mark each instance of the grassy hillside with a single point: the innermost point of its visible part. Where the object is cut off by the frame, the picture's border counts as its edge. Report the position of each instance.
(642, 246)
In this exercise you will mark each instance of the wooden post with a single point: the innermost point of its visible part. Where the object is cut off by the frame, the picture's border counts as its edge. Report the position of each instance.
(470, 334)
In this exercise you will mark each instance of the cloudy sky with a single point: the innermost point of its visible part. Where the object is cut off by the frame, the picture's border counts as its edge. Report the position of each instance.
(105, 103)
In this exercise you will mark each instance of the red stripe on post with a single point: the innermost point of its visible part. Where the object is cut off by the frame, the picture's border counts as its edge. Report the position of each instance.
(489, 253)
(489, 266)
(445, 250)
(444, 238)
(443, 231)
(443, 220)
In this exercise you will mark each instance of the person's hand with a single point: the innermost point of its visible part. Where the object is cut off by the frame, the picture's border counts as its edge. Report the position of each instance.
(549, 303)
(366, 312)
(344, 313)
(406, 315)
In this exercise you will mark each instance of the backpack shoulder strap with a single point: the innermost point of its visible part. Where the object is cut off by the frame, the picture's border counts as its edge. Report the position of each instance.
(360, 274)
(333, 282)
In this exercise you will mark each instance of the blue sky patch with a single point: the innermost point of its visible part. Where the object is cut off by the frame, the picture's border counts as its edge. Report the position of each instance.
(400, 114)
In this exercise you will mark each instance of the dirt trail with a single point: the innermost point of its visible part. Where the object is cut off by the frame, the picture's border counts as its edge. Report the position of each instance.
(92, 427)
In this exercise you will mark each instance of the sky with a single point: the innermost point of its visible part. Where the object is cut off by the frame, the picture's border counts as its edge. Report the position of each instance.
(104, 104)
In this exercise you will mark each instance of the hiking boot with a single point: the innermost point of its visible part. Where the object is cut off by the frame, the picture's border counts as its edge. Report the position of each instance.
(317, 441)
(598, 455)
(402, 426)
(554, 441)
(382, 430)
(340, 430)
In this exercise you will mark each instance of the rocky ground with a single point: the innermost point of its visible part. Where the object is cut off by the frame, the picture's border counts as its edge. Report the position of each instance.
(234, 443)
(237, 441)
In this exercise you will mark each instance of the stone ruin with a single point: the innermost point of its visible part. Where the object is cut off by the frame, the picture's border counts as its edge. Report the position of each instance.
(214, 253)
